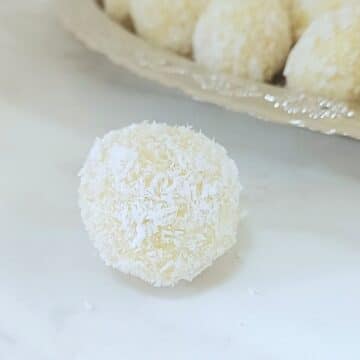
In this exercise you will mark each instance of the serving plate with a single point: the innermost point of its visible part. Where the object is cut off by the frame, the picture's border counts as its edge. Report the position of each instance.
(88, 22)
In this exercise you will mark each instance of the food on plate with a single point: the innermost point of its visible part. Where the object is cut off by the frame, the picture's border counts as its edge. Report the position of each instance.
(304, 12)
(167, 23)
(252, 39)
(248, 38)
(326, 60)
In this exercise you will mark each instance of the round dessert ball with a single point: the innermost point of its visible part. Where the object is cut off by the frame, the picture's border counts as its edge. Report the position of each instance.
(167, 23)
(248, 38)
(326, 59)
(159, 202)
(117, 9)
(304, 12)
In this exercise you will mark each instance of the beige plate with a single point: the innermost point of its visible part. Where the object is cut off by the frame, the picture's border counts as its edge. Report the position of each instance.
(88, 22)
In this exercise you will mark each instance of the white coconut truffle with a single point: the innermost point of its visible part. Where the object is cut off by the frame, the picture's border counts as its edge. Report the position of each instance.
(248, 38)
(167, 23)
(326, 60)
(159, 202)
(304, 12)
(117, 9)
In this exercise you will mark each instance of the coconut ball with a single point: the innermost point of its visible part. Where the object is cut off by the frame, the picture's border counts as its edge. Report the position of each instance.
(303, 12)
(159, 202)
(117, 9)
(326, 60)
(167, 23)
(248, 38)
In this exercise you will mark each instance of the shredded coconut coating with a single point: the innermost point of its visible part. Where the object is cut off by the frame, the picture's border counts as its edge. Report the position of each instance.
(117, 9)
(304, 12)
(248, 38)
(159, 202)
(167, 23)
(326, 60)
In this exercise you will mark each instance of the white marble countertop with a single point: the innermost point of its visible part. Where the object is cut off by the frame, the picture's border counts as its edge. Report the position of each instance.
(290, 289)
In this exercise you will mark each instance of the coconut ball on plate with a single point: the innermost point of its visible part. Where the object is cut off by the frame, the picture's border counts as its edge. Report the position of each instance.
(326, 59)
(248, 38)
(160, 202)
(303, 12)
(167, 23)
(117, 9)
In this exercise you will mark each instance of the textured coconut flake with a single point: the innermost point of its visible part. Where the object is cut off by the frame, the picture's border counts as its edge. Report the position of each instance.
(167, 204)
(249, 38)
(167, 23)
(326, 60)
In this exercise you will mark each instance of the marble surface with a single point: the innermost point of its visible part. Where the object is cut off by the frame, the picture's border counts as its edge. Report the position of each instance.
(289, 290)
